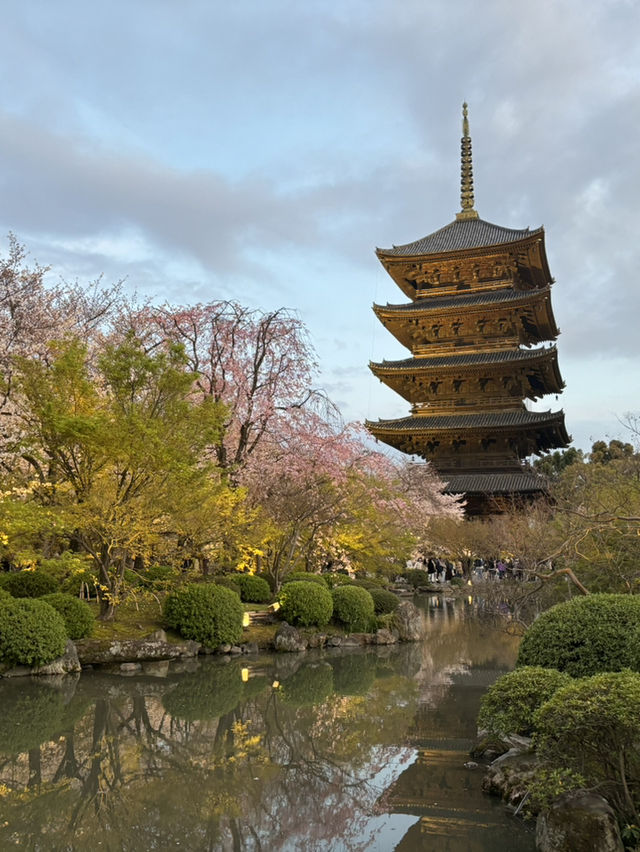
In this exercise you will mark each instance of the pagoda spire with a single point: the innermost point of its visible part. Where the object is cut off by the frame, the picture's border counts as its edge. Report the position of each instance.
(466, 183)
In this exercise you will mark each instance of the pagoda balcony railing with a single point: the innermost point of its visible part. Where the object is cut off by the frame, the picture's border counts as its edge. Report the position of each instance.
(450, 464)
(461, 346)
(447, 406)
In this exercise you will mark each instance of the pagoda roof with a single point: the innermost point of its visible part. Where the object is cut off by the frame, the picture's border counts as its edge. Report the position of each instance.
(433, 303)
(494, 483)
(511, 419)
(459, 235)
(470, 359)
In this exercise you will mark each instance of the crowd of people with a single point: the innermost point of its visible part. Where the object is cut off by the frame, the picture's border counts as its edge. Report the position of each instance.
(443, 570)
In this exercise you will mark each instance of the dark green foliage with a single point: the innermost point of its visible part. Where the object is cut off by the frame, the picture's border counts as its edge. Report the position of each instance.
(32, 714)
(336, 578)
(384, 601)
(206, 613)
(28, 583)
(32, 633)
(253, 589)
(297, 576)
(156, 577)
(310, 684)
(4, 594)
(206, 696)
(353, 674)
(584, 636)
(592, 726)
(306, 604)
(78, 617)
(416, 577)
(509, 704)
(370, 582)
(353, 607)
(230, 581)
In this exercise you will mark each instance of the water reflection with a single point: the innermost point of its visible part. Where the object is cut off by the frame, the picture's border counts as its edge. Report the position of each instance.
(334, 750)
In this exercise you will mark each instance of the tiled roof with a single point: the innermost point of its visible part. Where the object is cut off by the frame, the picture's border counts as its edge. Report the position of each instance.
(466, 300)
(459, 235)
(483, 420)
(494, 483)
(471, 359)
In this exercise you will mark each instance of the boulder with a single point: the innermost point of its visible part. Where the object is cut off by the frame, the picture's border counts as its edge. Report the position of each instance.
(408, 622)
(287, 638)
(510, 775)
(385, 637)
(579, 820)
(106, 651)
(66, 664)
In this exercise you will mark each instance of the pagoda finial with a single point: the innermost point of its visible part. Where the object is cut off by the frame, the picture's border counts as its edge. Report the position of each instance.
(466, 184)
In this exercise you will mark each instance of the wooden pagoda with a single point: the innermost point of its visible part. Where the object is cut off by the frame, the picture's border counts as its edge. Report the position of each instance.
(478, 318)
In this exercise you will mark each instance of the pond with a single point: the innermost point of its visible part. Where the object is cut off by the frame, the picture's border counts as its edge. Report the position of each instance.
(334, 750)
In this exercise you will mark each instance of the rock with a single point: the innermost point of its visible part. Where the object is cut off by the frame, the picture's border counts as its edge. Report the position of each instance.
(471, 764)
(579, 820)
(156, 668)
(287, 638)
(106, 651)
(130, 668)
(408, 622)
(225, 648)
(334, 641)
(158, 635)
(235, 649)
(510, 775)
(385, 637)
(317, 640)
(66, 664)
(250, 648)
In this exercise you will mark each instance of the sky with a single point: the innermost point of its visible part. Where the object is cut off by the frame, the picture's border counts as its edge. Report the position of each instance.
(260, 150)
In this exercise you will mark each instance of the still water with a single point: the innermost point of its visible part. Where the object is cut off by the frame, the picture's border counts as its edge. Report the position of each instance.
(343, 750)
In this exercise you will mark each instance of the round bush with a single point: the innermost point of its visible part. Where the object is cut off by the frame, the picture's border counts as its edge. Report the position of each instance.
(592, 726)
(584, 636)
(306, 604)
(253, 589)
(32, 633)
(29, 584)
(384, 601)
(337, 578)
(229, 581)
(207, 613)
(417, 577)
(305, 576)
(509, 704)
(353, 607)
(4, 594)
(78, 617)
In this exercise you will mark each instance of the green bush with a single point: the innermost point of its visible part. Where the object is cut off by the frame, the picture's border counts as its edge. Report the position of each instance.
(592, 726)
(4, 594)
(416, 577)
(306, 604)
(509, 704)
(28, 583)
(78, 617)
(229, 581)
(584, 636)
(305, 576)
(370, 582)
(337, 578)
(253, 589)
(206, 613)
(384, 601)
(32, 633)
(69, 570)
(353, 607)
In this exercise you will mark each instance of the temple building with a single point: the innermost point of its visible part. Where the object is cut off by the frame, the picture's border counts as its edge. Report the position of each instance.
(476, 326)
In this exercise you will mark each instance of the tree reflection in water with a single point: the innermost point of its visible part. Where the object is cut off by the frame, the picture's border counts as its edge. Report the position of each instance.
(298, 756)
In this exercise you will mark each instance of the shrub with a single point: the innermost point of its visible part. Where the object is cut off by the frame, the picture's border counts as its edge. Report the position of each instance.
(206, 613)
(353, 607)
(384, 601)
(69, 570)
(305, 576)
(253, 589)
(416, 577)
(306, 604)
(584, 636)
(370, 582)
(4, 594)
(29, 584)
(591, 726)
(337, 578)
(32, 633)
(229, 581)
(77, 615)
(509, 704)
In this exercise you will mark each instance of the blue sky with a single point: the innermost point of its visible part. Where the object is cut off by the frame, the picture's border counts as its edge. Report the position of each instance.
(261, 150)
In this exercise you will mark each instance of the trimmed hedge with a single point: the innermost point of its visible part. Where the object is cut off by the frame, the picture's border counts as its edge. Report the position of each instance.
(32, 633)
(306, 604)
(509, 704)
(417, 577)
(205, 612)
(28, 584)
(584, 636)
(353, 607)
(78, 617)
(306, 577)
(229, 581)
(253, 589)
(384, 601)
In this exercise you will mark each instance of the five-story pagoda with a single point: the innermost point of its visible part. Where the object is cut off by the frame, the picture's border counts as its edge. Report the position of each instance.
(480, 308)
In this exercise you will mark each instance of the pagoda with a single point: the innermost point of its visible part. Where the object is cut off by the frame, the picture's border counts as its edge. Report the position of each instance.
(477, 327)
